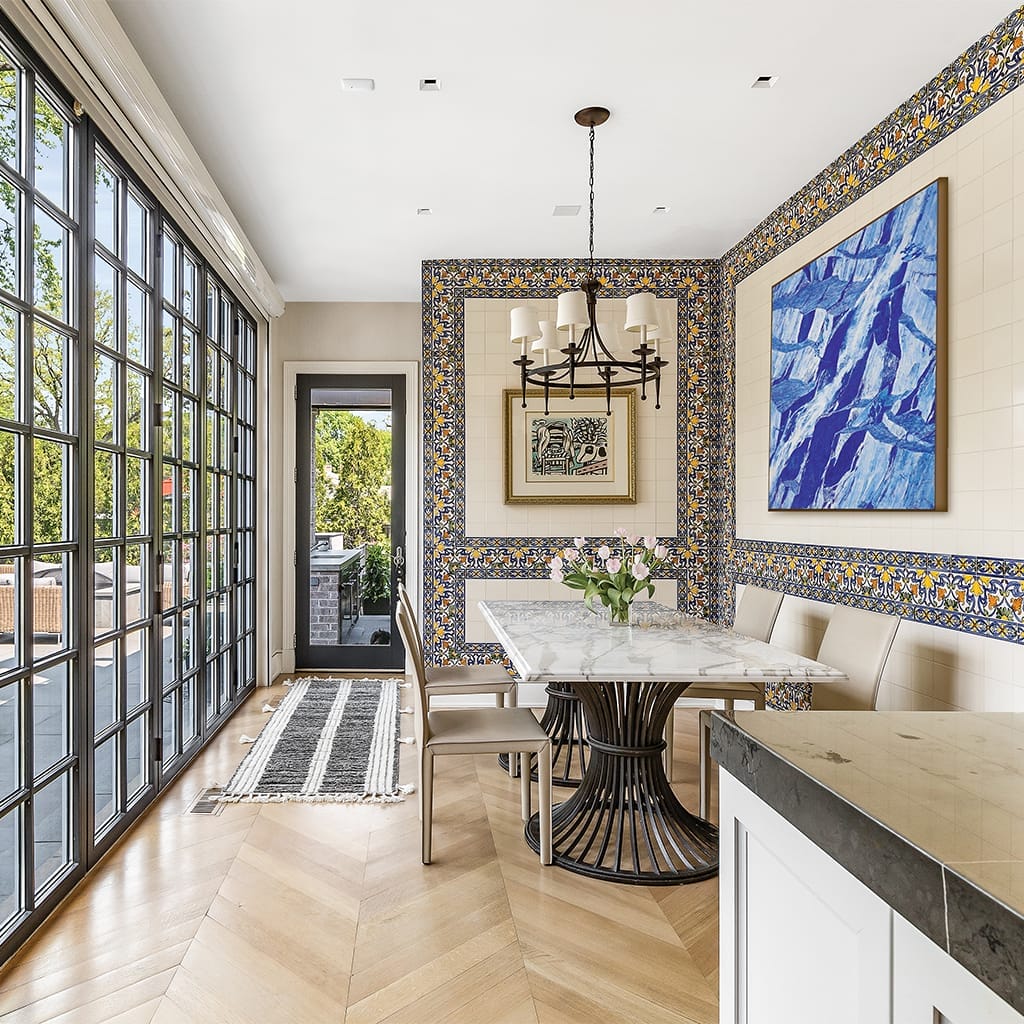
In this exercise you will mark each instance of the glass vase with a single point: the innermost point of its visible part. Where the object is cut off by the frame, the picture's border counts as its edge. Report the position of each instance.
(620, 614)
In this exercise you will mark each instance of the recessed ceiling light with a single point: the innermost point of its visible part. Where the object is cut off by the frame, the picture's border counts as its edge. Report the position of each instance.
(765, 81)
(661, 209)
(424, 211)
(357, 84)
(566, 211)
(430, 85)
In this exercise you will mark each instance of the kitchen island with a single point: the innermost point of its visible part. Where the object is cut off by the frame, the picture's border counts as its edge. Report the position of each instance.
(872, 866)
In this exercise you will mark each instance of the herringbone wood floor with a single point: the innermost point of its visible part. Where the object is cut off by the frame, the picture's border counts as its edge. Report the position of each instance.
(301, 914)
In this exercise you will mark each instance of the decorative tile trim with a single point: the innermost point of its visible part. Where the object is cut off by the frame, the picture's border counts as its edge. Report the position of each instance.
(974, 595)
(450, 557)
(971, 594)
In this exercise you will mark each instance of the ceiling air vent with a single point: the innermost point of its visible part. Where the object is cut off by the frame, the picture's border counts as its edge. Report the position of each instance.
(566, 211)
(357, 84)
(430, 85)
(765, 81)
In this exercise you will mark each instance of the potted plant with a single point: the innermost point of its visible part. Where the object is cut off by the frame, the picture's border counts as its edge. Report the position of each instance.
(376, 580)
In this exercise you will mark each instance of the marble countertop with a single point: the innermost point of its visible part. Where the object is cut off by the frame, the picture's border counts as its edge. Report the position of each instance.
(564, 641)
(925, 808)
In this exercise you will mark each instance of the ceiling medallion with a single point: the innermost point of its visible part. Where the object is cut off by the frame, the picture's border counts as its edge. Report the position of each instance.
(577, 353)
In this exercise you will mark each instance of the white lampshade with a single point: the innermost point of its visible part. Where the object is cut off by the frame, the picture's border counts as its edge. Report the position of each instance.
(548, 344)
(641, 311)
(572, 310)
(525, 326)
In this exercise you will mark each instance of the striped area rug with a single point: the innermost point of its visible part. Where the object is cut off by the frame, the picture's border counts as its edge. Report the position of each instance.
(328, 741)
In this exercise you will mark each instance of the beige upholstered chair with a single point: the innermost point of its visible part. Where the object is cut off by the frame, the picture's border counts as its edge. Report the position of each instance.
(475, 731)
(448, 680)
(856, 642)
(454, 679)
(755, 617)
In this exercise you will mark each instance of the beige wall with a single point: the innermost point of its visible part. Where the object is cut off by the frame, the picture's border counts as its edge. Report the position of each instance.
(930, 667)
(323, 332)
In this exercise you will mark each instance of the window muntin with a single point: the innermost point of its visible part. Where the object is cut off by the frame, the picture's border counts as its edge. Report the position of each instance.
(119, 637)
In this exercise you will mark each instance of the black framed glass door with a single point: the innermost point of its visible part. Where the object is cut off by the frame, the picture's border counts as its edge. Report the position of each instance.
(350, 520)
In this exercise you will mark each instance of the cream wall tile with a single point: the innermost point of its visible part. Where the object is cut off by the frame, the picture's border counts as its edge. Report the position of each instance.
(489, 371)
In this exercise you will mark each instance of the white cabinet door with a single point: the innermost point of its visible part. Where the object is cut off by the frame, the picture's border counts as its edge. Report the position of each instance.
(802, 941)
(930, 987)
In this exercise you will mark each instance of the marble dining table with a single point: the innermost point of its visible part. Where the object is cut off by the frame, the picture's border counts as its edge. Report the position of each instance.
(624, 823)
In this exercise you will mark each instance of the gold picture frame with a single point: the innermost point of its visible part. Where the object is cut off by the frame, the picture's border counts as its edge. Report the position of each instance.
(573, 454)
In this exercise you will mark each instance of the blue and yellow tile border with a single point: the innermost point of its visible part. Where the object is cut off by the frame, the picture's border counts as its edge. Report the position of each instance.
(449, 556)
(977, 595)
(972, 594)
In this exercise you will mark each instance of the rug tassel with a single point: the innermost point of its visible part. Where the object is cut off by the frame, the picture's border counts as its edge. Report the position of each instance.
(247, 739)
(267, 708)
(407, 789)
(407, 739)
(405, 711)
(405, 686)
(289, 682)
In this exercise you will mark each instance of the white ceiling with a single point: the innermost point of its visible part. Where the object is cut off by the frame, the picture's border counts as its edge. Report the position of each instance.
(326, 183)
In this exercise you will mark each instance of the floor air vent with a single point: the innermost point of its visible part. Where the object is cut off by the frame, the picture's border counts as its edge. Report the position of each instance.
(207, 802)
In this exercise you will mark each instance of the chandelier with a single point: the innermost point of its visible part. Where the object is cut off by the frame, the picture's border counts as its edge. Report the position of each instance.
(572, 354)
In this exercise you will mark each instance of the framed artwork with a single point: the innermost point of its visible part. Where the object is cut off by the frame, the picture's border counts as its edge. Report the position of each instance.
(858, 368)
(575, 452)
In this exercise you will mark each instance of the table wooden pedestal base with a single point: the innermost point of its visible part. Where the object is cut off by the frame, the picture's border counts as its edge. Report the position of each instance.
(624, 823)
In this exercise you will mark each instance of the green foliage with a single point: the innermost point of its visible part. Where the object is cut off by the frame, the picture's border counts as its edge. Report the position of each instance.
(376, 582)
(48, 463)
(351, 477)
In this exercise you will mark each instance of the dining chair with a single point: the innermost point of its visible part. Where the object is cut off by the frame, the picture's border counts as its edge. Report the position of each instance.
(856, 642)
(447, 680)
(755, 617)
(475, 731)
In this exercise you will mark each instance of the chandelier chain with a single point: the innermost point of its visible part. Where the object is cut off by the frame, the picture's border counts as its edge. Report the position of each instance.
(591, 200)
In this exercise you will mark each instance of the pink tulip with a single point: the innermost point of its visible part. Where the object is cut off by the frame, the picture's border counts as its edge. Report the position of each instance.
(632, 538)
(571, 554)
(620, 531)
(613, 565)
(557, 575)
(604, 552)
(661, 551)
(579, 541)
(555, 563)
(640, 571)
(650, 543)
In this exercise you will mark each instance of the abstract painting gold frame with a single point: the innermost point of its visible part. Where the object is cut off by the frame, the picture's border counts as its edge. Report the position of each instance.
(573, 454)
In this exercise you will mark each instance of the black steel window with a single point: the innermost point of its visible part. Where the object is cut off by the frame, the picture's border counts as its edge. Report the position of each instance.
(40, 503)
(127, 496)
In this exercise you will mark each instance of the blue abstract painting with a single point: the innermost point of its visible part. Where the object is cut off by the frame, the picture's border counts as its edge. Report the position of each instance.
(854, 368)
